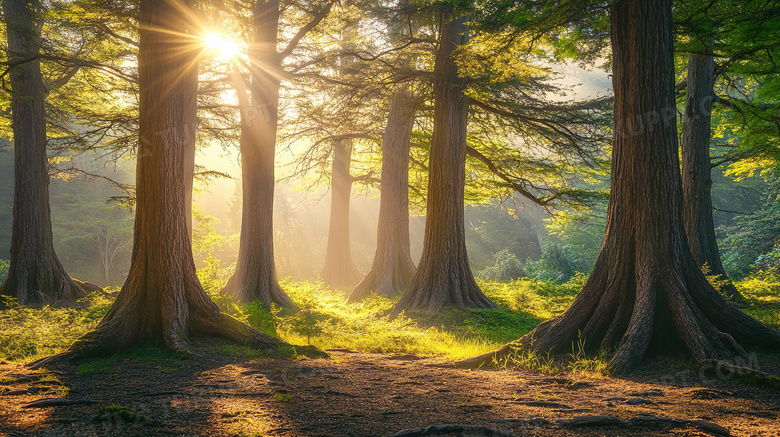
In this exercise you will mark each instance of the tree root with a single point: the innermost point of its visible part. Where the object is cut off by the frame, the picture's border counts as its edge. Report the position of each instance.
(472, 430)
(637, 422)
(644, 422)
(757, 376)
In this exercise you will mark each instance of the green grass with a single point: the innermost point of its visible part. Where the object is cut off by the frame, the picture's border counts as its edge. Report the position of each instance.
(326, 320)
(27, 333)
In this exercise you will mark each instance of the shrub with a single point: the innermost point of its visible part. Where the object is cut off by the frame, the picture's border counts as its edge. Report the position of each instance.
(558, 263)
(4, 265)
(506, 268)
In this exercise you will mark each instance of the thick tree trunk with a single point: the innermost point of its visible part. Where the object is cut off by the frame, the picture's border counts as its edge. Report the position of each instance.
(162, 301)
(444, 277)
(392, 268)
(255, 276)
(339, 269)
(696, 168)
(35, 273)
(646, 291)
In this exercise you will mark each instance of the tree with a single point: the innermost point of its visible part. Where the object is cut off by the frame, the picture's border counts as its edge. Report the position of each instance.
(646, 291)
(339, 269)
(256, 276)
(392, 268)
(745, 49)
(35, 272)
(697, 168)
(162, 301)
(444, 276)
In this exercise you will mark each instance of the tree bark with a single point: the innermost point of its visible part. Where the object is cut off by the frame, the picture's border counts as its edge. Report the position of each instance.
(444, 277)
(339, 269)
(696, 168)
(646, 291)
(255, 276)
(392, 268)
(35, 272)
(162, 302)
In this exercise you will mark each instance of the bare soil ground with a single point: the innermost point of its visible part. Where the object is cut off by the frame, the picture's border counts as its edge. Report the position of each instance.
(356, 394)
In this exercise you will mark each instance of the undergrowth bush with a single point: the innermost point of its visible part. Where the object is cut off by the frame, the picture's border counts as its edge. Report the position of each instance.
(506, 268)
(28, 333)
(4, 265)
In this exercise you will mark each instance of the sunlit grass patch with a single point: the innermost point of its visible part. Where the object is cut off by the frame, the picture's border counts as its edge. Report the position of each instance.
(29, 333)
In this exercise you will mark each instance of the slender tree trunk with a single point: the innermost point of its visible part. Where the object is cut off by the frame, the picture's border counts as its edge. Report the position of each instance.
(162, 301)
(255, 276)
(646, 291)
(444, 277)
(392, 268)
(697, 169)
(339, 269)
(35, 272)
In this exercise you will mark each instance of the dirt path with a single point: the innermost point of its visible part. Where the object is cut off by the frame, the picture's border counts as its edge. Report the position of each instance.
(357, 394)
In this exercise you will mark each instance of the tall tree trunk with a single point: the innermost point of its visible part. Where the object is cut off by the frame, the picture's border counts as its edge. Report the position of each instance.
(162, 301)
(35, 273)
(646, 291)
(339, 269)
(696, 168)
(255, 276)
(392, 268)
(444, 276)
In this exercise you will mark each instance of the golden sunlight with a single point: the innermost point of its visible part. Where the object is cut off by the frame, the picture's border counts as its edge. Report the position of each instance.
(221, 47)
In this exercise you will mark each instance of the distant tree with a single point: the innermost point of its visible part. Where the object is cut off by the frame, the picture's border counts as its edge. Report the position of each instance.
(339, 269)
(646, 292)
(726, 43)
(35, 272)
(106, 231)
(444, 277)
(392, 268)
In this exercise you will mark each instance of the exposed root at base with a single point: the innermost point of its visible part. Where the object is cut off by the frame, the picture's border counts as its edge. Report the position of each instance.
(449, 429)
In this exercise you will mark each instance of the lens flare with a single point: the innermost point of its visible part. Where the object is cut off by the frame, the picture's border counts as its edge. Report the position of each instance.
(222, 48)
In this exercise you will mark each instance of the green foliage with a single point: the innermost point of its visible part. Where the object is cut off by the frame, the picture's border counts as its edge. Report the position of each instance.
(4, 266)
(506, 268)
(29, 333)
(559, 262)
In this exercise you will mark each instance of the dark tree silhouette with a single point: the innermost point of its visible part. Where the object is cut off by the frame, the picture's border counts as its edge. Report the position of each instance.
(392, 268)
(35, 272)
(646, 291)
(444, 277)
(255, 276)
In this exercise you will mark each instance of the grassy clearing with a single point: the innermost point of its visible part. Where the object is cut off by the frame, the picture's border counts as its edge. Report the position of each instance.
(326, 320)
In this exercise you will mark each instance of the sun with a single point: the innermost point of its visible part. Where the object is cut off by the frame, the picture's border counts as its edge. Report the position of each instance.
(222, 48)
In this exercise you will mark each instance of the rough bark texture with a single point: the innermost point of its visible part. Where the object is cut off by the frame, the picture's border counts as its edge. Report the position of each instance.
(646, 291)
(35, 272)
(162, 301)
(444, 277)
(255, 276)
(339, 269)
(392, 268)
(696, 168)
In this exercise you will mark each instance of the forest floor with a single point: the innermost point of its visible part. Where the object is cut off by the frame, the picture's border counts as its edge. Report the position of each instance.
(211, 393)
